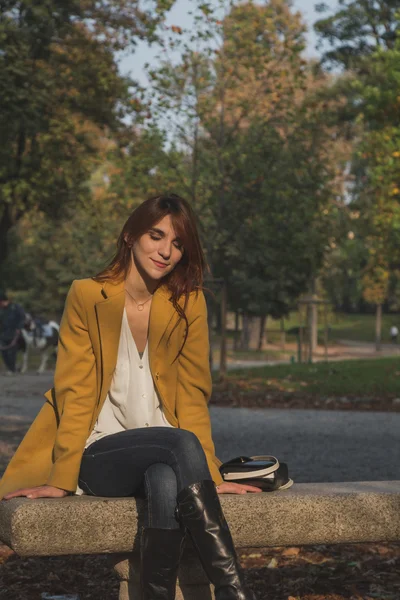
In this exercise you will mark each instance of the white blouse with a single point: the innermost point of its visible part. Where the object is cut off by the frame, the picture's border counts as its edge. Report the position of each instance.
(132, 400)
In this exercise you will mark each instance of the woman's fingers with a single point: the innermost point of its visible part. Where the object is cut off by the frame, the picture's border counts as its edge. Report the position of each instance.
(42, 491)
(21, 492)
(236, 488)
(251, 488)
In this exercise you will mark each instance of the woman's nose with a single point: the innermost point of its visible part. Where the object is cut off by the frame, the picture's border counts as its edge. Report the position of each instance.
(165, 250)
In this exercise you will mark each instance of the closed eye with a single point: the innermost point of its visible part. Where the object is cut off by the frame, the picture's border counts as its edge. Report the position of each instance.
(176, 243)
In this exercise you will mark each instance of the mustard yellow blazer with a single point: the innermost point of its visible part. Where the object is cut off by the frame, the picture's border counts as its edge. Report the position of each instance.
(51, 451)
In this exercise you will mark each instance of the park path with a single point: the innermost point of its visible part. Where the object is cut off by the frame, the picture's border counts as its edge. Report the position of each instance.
(345, 350)
(317, 445)
(341, 350)
(393, 348)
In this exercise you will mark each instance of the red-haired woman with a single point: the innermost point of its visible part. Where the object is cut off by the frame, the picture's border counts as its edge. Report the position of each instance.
(128, 413)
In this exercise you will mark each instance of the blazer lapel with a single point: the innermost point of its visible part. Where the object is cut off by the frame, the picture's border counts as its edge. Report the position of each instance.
(161, 313)
(109, 318)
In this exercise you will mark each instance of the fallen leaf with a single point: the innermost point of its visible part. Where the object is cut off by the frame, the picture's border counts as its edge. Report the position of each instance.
(291, 551)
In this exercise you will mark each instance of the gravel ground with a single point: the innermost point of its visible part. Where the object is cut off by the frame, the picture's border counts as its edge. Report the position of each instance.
(317, 445)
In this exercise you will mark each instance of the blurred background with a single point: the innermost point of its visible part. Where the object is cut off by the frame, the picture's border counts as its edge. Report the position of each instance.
(278, 121)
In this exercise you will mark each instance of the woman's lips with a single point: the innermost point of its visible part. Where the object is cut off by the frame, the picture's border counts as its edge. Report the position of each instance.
(160, 265)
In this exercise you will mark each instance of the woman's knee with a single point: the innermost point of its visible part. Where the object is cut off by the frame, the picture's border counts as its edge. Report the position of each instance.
(188, 458)
(189, 445)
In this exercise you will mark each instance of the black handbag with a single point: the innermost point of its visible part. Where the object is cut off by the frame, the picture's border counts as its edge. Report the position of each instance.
(265, 472)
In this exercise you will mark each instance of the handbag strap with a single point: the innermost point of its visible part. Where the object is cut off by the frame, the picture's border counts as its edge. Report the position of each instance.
(245, 475)
(269, 458)
(265, 457)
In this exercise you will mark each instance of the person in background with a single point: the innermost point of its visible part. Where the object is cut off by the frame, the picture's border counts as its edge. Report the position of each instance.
(12, 319)
(394, 332)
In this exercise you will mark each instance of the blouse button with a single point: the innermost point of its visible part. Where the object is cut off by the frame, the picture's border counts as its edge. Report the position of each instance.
(140, 366)
(146, 424)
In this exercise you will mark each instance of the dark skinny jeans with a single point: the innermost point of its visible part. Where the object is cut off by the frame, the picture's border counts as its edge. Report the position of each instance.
(151, 462)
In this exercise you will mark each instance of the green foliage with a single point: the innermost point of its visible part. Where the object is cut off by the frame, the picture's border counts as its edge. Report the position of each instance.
(235, 119)
(356, 29)
(364, 40)
(60, 92)
(343, 270)
(254, 150)
(46, 256)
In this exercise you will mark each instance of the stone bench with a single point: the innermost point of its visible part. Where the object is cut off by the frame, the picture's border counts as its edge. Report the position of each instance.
(312, 513)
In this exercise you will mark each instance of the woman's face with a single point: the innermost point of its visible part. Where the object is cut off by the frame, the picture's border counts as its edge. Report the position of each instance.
(159, 250)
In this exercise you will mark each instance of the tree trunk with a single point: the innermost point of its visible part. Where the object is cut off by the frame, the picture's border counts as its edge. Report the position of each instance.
(312, 313)
(5, 226)
(283, 334)
(263, 320)
(236, 338)
(222, 360)
(246, 332)
(218, 319)
(378, 327)
(313, 328)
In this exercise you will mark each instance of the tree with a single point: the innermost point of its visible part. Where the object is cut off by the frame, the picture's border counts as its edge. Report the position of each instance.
(45, 259)
(364, 40)
(259, 164)
(356, 30)
(60, 92)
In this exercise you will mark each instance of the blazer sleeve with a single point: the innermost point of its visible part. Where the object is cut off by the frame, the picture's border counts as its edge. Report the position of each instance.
(75, 391)
(194, 383)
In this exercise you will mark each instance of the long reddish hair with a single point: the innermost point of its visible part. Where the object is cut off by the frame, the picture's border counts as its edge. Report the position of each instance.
(188, 274)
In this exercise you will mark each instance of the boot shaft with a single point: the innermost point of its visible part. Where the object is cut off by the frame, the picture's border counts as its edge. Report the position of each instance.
(160, 553)
(200, 512)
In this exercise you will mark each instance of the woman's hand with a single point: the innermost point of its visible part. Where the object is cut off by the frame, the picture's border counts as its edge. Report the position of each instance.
(236, 488)
(41, 491)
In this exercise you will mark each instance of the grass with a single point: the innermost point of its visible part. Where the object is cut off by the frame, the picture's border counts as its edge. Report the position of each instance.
(258, 355)
(361, 327)
(375, 377)
(354, 327)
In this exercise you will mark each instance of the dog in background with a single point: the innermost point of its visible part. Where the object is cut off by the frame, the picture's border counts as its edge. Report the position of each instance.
(40, 336)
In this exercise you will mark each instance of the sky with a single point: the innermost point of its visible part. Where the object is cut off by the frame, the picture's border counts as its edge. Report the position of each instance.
(132, 63)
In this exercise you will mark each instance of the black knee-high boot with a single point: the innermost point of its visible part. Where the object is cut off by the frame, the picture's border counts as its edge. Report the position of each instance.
(200, 512)
(160, 553)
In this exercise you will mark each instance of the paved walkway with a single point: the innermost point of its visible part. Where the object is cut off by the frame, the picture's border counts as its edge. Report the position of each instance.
(343, 350)
(317, 445)
(392, 348)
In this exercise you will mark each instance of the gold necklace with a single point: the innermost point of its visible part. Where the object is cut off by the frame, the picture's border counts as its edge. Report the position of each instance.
(139, 305)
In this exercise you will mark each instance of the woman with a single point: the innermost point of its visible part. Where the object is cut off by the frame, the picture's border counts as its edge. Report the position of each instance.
(128, 412)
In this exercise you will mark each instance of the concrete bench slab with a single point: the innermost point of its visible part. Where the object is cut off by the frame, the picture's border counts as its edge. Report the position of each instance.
(305, 514)
(314, 513)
